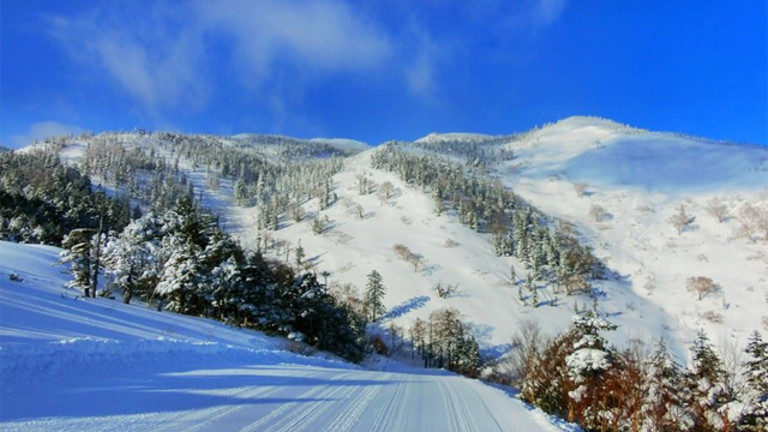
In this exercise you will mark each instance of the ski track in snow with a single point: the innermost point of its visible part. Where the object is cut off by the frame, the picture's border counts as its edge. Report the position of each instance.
(300, 398)
(70, 364)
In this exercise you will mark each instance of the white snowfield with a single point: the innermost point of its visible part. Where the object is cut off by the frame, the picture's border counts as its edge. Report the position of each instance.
(67, 363)
(638, 178)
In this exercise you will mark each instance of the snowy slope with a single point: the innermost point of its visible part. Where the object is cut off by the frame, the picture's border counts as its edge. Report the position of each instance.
(641, 179)
(452, 254)
(73, 364)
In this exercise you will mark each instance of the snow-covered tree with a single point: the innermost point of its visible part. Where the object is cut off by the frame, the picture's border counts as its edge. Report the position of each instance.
(706, 388)
(663, 405)
(181, 276)
(374, 296)
(81, 252)
(133, 261)
(755, 416)
(586, 365)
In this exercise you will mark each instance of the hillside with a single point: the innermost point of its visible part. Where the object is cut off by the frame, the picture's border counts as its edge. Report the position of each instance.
(617, 185)
(97, 364)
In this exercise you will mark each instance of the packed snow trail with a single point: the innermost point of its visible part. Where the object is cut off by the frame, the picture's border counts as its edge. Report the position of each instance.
(276, 397)
(68, 363)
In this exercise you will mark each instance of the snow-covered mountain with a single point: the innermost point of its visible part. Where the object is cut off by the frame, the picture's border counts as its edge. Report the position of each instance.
(662, 234)
(72, 364)
(618, 186)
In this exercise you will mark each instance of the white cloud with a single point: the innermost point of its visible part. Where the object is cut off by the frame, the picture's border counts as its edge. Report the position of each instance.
(41, 130)
(157, 68)
(319, 36)
(420, 76)
(162, 57)
(548, 11)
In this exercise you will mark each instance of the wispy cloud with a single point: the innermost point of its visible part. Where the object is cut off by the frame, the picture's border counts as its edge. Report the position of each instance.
(171, 59)
(41, 130)
(321, 36)
(162, 58)
(160, 66)
(545, 12)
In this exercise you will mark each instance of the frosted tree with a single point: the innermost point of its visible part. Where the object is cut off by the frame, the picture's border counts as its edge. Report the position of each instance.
(586, 365)
(755, 417)
(79, 254)
(133, 259)
(374, 296)
(181, 275)
(663, 404)
(705, 384)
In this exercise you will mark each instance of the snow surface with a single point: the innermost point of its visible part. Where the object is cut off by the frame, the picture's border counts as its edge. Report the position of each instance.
(435, 137)
(640, 178)
(68, 363)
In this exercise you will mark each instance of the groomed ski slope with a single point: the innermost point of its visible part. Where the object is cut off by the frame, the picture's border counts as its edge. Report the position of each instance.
(72, 364)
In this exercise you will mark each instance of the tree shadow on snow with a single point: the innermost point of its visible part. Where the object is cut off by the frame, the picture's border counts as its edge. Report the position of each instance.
(168, 392)
(407, 306)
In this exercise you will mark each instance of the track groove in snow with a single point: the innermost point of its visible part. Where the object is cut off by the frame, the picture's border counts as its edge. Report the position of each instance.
(96, 364)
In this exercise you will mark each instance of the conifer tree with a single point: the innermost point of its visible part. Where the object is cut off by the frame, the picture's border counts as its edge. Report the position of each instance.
(78, 253)
(705, 385)
(755, 416)
(374, 295)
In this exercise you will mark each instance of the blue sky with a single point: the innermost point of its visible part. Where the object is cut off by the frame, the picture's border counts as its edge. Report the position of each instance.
(381, 69)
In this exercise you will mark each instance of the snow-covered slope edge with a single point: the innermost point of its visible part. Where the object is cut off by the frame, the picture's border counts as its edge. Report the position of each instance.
(73, 364)
(622, 186)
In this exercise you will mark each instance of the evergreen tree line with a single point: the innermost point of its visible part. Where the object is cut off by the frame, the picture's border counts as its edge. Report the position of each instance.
(485, 205)
(579, 376)
(445, 341)
(274, 173)
(478, 152)
(185, 263)
(442, 341)
(42, 200)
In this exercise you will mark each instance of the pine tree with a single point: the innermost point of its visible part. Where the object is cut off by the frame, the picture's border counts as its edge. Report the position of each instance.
(374, 295)
(80, 254)
(587, 366)
(299, 255)
(132, 260)
(755, 416)
(181, 275)
(662, 407)
(705, 384)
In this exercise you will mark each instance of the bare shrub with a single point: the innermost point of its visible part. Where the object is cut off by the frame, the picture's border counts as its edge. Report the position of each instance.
(296, 212)
(580, 188)
(753, 223)
(446, 291)
(386, 190)
(346, 295)
(300, 348)
(598, 213)
(701, 285)
(681, 220)
(450, 243)
(717, 209)
(405, 254)
(526, 346)
(712, 316)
